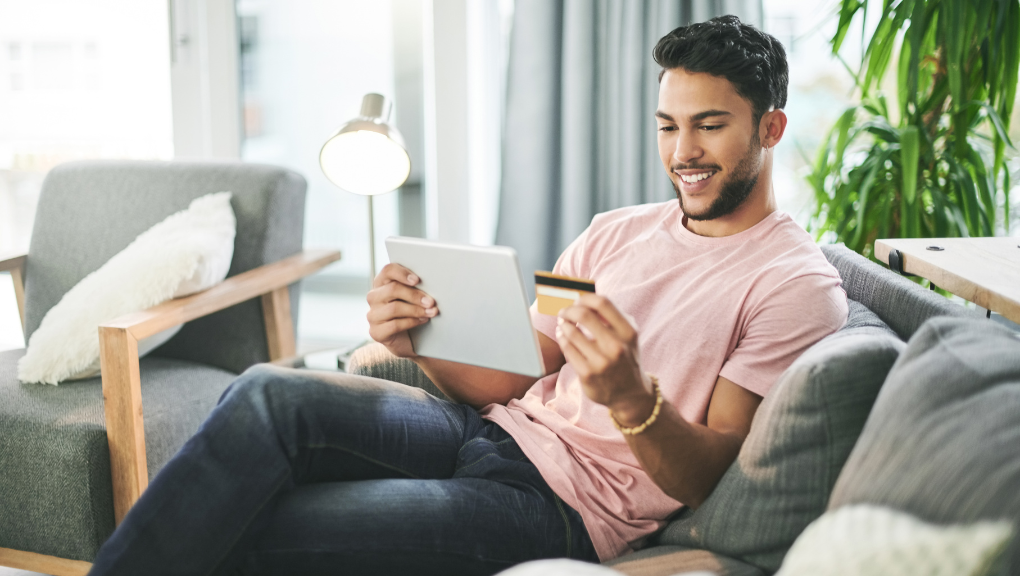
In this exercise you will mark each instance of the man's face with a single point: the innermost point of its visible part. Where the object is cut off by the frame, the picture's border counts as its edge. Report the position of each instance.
(707, 143)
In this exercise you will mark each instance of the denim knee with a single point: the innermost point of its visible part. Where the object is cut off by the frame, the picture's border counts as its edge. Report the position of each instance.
(253, 381)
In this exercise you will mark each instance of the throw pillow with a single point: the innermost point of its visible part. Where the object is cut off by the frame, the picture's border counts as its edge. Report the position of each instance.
(186, 253)
(559, 567)
(800, 438)
(943, 440)
(868, 540)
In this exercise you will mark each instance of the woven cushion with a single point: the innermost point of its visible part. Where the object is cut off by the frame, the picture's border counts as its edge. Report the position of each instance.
(900, 303)
(801, 436)
(376, 361)
(943, 440)
(55, 488)
(89, 211)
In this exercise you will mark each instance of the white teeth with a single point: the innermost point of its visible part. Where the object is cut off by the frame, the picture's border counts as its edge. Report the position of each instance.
(696, 177)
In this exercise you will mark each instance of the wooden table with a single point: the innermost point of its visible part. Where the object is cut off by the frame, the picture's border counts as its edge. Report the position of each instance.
(985, 271)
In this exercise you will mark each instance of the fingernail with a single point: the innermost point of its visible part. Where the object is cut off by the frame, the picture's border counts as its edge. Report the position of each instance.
(426, 302)
(430, 311)
(559, 333)
(412, 279)
(559, 321)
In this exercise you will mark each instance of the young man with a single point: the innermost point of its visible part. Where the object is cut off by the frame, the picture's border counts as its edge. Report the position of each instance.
(650, 392)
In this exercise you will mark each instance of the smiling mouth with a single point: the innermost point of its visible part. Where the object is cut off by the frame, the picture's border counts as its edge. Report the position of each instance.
(693, 178)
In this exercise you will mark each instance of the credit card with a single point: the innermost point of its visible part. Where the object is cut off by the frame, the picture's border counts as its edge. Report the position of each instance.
(555, 292)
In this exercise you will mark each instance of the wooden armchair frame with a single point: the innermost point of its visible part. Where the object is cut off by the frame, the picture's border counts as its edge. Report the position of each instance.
(122, 393)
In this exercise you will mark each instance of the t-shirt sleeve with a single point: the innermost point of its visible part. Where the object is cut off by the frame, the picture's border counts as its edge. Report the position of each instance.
(572, 262)
(791, 318)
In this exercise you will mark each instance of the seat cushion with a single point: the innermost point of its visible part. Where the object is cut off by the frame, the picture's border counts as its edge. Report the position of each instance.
(943, 440)
(670, 560)
(56, 496)
(799, 440)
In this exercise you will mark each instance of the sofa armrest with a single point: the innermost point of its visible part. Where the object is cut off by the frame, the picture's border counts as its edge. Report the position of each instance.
(15, 264)
(12, 262)
(118, 346)
(234, 290)
(375, 361)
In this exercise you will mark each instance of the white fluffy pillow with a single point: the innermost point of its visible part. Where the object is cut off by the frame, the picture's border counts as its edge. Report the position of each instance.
(866, 540)
(186, 253)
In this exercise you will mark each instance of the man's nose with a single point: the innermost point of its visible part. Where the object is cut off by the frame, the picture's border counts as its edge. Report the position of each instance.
(687, 149)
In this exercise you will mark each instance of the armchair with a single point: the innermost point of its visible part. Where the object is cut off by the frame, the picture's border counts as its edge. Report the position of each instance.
(74, 458)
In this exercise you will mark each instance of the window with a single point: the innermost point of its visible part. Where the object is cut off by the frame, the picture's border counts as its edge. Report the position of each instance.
(78, 80)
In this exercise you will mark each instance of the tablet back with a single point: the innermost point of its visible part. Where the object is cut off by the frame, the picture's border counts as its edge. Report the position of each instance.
(483, 308)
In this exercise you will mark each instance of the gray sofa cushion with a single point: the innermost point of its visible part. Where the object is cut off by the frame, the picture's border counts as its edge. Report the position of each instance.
(943, 440)
(801, 436)
(670, 560)
(90, 211)
(55, 488)
(900, 303)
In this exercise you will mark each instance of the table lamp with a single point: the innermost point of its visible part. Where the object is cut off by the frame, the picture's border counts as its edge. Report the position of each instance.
(367, 156)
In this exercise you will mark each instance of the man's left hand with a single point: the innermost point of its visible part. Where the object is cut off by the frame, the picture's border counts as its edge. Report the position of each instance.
(608, 361)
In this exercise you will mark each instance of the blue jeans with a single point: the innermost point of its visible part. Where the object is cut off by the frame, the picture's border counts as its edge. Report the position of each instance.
(299, 472)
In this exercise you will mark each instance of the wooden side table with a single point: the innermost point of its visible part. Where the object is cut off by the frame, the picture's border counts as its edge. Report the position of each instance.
(985, 271)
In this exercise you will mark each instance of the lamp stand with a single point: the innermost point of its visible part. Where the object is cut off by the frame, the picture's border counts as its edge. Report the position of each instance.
(371, 239)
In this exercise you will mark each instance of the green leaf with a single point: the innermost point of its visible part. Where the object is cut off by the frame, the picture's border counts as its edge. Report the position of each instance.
(985, 187)
(1005, 194)
(881, 128)
(909, 154)
(951, 22)
(994, 119)
(968, 195)
(878, 164)
(842, 131)
(906, 97)
(846, 16)
(1011, 64)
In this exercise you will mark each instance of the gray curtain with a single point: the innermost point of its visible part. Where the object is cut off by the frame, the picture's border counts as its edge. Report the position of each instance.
(579, 137)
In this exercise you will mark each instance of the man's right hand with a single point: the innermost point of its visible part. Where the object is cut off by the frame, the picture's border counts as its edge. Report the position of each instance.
(396, 306)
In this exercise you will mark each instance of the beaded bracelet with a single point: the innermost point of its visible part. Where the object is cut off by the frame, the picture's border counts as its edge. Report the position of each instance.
(651, 419)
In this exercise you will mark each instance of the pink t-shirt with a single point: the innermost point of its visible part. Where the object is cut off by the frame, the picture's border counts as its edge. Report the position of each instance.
(743, 307)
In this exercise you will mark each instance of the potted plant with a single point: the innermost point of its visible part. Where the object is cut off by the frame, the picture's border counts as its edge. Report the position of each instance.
(931, 163)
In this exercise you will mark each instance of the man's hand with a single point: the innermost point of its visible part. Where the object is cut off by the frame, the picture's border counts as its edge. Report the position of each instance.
(684, 459)
(396, 306)
(607, 362)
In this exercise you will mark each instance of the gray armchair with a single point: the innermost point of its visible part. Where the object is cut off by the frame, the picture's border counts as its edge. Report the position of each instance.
(72, 463)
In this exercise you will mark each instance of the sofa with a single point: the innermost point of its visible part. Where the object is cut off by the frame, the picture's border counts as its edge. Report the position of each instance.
(914, 405)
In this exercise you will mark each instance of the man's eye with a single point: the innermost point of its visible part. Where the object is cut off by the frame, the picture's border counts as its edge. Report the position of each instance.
(712, 127)
(667, 128)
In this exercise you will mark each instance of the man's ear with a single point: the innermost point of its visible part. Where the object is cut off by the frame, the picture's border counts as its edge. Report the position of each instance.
(772, 127)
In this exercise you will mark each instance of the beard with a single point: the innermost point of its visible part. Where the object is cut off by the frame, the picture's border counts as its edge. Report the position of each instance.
(734, 191)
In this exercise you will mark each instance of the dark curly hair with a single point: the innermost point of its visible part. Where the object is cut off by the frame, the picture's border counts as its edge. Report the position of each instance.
(753, 61)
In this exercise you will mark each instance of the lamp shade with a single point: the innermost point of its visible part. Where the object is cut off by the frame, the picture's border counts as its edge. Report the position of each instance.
(366, 155)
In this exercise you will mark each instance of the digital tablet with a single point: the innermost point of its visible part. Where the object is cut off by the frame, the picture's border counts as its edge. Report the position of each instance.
(483, 315)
